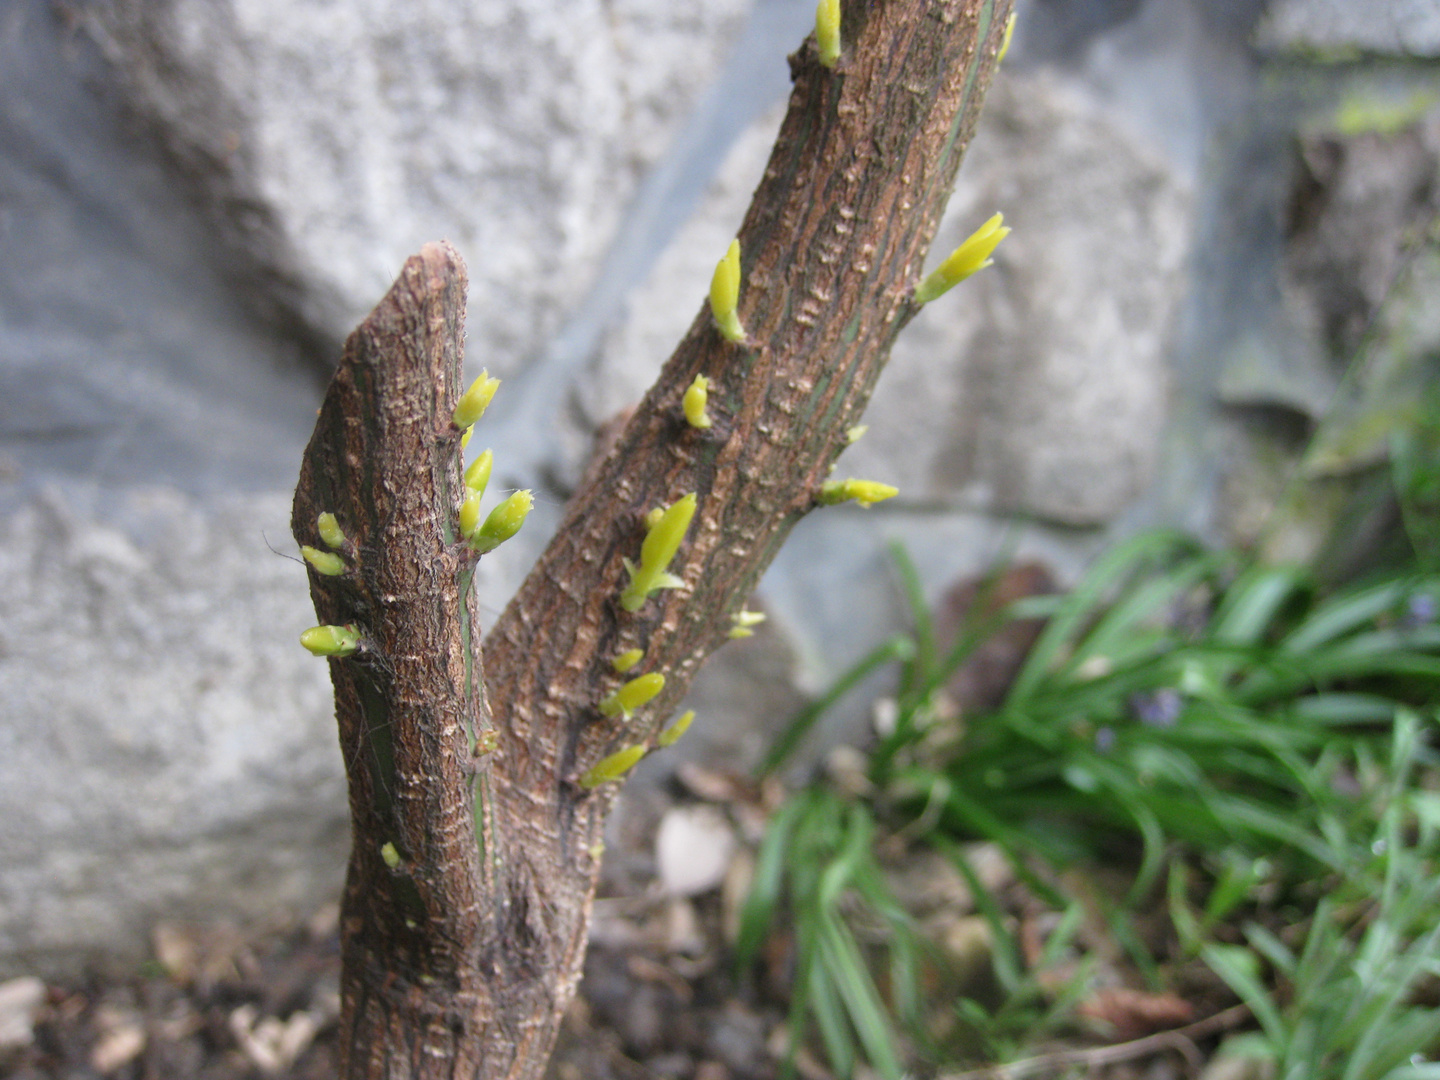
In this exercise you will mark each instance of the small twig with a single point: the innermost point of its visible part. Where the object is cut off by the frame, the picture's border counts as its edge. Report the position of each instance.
(1180, 1039)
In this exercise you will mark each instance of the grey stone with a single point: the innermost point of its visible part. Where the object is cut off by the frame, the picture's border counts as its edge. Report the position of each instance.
(1040, 386)
(168, 748)
(1396, 27)
(124, 355)
(331, 140)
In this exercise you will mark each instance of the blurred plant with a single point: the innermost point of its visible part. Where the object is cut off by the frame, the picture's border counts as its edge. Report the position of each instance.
(1181, 708)
(1351, 1005)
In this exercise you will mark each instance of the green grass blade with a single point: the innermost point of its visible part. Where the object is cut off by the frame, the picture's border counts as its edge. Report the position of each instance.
(1253, 603)
(1237, 968)
(1079, 607)
(862, 1001)
(1341, 615)
(914, 592)
(798, 726)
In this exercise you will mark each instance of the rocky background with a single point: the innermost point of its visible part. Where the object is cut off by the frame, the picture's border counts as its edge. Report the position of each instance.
(1224, 273)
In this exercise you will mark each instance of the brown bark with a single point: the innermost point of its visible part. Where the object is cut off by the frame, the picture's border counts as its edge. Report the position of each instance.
(460, 958)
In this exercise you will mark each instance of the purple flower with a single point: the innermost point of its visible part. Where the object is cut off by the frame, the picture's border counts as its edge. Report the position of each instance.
(1420, 611)
(1157, 708)
(1105, 739)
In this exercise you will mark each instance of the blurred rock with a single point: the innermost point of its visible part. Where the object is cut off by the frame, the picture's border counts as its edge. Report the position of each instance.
(20, 1003)
(329, 141)
(982, 680)
(693, 847)
(125, 356)
(169, 750)
(1347, 27)
(1039, 387)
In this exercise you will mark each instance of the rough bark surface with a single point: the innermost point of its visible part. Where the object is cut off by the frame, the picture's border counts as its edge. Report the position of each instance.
(464, 945)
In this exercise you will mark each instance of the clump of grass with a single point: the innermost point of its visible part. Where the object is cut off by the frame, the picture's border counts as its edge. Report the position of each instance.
(1212, 725)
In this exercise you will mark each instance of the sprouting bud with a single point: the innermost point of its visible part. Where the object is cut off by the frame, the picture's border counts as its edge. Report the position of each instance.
(330, 532)
(613, 767)
(469, 515)
(475, 400)
(653, 517)
(633, 695)
(662, 541)
(331, 640)
(324, 562)
(671, 735)
(855, 434)
(743, 621)
(972, 255)
(487, 742)
(864, 492)
(465, 436)
(1005, 41)
(502, 523)
(694, 402)
(725, 294)
(477, 475)
(390, 855)
(627, 660)
(827, 31)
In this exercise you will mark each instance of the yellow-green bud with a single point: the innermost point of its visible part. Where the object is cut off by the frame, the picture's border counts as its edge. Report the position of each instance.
(390, 855)
(487, 742)
(502, 523)
(694, 402)
(725, 294)
(331, 640)
(855, 434)
(477, 476)
(662, 541)
(475, 400)
(627, 660)
(1005, 41)
(613, 767)
(324, 562)
(743, 621)
(671, 735)
(465, 436)
(969, 257)
(864, 492)
(827, 31)
(470, 515)
(330, 532)
(633, 695)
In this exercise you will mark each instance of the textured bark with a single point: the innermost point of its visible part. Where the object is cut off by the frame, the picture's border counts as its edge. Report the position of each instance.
(460, 958)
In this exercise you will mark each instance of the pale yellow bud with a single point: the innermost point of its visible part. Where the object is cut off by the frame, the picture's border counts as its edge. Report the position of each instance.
(613, 767)
(864, 492)
(475, 401)
(971, 256)
(330, 532)
(725, 294)
(632, 696)
(827, 32)
(331, 640)
(694, 402)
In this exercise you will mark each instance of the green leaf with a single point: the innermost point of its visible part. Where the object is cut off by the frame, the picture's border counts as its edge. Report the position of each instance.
(798, 726)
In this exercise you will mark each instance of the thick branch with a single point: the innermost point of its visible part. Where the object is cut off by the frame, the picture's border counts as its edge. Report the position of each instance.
(470, 884)
(834, 241)
(385, 460)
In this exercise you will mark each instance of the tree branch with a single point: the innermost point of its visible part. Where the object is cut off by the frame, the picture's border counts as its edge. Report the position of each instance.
(461, 956)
